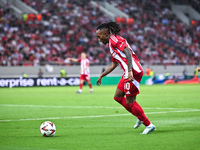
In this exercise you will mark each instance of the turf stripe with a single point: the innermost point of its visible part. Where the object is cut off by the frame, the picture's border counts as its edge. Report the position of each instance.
(97, 116)
(46, 106)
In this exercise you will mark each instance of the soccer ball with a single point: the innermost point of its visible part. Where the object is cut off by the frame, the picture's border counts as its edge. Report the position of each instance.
(47, 128)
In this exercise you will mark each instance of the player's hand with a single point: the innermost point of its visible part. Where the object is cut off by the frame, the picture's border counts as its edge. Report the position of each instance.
(198, 69)
(99, 81)
(130, 76)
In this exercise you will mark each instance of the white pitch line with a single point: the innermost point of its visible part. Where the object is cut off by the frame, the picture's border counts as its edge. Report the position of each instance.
(109, 107)
(46, 106)
(97, 116)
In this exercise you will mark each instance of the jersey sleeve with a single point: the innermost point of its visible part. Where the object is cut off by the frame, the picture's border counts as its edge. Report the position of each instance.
(79, 60)
(118, 42)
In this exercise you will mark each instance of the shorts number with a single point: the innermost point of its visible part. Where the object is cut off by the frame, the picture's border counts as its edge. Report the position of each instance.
(87, 78)
(127, 86)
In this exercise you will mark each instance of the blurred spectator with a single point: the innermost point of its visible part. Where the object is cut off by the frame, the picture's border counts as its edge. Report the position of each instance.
(167, 74)
(185, 73)
(152, 72)
(62, 73)
(24, 75)
(40, 73)
(196, 71)
(148, 71)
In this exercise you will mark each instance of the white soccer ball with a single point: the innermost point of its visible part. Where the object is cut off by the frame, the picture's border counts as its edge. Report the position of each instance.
(48, 128)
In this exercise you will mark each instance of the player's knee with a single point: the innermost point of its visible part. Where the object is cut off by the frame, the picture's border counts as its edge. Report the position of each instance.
(130, 100)
(118, 99)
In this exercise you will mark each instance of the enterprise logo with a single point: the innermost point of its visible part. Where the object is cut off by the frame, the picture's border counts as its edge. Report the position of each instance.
(29, 82)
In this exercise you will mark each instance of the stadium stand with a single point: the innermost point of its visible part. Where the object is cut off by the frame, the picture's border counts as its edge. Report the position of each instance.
(194, 3)
(68, 28)
(157, 36)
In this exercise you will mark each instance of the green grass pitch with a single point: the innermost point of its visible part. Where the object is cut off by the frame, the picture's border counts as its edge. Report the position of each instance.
(96, 122)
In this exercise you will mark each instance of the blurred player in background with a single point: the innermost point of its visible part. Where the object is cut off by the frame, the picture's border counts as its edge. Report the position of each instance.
(129, 84)
(85, 71)
(40, 73)
(62, 73)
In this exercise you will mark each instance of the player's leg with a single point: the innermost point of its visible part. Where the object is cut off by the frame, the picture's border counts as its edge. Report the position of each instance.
(80, 86)
(131, 90)
(129, 101)
(119, 95)
(137, 110)
(133, 107)
(139, 113)
(89, 83)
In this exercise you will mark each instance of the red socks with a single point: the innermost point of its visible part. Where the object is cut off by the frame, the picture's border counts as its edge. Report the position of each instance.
(135, 109)
(90, 85)
(80, 86)
(139, 113)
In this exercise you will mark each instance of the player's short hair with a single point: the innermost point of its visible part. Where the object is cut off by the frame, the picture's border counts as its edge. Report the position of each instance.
(84, 52)
(113, 27)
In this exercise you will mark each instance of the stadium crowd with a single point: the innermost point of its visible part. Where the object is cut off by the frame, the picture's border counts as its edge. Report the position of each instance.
(68, 28)
(157, 35)
(65, 31)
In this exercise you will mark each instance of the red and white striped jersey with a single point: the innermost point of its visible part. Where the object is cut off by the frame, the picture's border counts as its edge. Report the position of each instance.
(85, 64)
(116, 46)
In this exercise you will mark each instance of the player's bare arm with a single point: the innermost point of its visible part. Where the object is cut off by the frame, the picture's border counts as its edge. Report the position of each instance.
(110, 68)
(128, 54)
(72, 59)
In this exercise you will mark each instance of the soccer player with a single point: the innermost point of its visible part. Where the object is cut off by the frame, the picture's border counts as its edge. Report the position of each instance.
(129, 84)
(85, 71)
